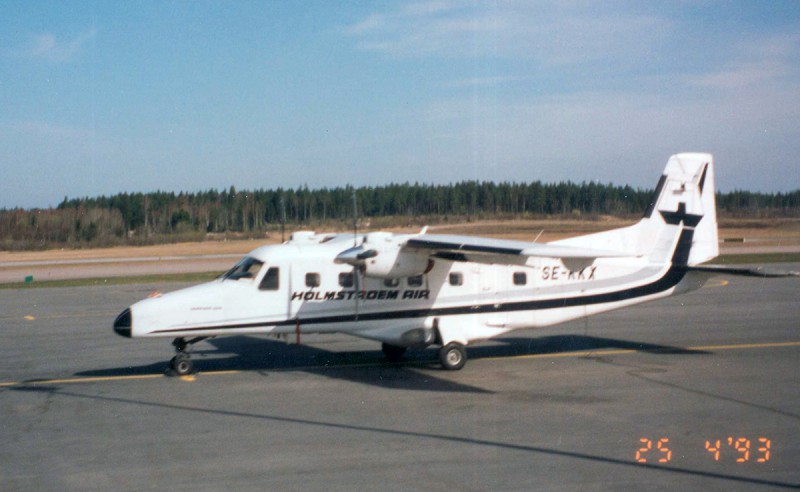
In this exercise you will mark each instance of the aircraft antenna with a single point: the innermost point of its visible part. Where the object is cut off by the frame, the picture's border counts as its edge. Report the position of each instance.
(355, 218)
(283, 219)
(539, 235)
(356, 271)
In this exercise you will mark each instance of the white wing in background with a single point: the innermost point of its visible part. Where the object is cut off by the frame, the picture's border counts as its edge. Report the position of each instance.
(499, 251)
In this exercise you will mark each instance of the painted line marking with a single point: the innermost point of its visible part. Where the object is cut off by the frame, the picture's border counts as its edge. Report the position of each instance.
(81, 380)
(582, 353)
(100, 379)
(747, 346)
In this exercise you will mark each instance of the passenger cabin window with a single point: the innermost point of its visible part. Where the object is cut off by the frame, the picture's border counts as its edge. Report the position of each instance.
(456, 278)
(346, 279)
(415, 281)
(520, 278)
(312, 280)
(391, 282)
(247, 268)
(270, 280)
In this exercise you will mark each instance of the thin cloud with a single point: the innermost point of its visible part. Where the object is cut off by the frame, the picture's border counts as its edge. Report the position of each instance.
(742, 75)
(492, 81)
(427, 8)
(48, 47)
(756, 63)
(371, 23)
(552, 34)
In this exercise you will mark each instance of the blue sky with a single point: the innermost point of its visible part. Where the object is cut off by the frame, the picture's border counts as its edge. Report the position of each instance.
(104, 97)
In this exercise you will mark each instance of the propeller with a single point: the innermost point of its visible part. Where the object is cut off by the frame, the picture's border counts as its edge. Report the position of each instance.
(355, 256)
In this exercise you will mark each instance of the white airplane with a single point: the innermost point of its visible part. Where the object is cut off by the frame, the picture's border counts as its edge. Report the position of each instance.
(417, 290)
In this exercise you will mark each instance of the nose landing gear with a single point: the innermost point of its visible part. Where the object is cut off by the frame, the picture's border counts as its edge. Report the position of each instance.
(181, 364)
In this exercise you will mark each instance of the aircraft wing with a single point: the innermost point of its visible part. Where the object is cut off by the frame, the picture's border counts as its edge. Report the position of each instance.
(488, 250)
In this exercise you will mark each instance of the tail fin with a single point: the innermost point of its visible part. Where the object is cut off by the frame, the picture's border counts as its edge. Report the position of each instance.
(685, 196)
(679, 226)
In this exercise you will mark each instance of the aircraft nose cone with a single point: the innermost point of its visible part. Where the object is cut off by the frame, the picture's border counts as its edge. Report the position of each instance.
(122, 325)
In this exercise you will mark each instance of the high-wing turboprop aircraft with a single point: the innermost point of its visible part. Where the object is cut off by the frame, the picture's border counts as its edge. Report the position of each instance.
(417, 290)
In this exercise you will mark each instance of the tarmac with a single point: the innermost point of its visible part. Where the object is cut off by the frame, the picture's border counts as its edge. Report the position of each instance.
(700, 391)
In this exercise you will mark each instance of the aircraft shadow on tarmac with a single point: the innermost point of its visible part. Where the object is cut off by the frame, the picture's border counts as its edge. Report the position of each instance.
(256, 354)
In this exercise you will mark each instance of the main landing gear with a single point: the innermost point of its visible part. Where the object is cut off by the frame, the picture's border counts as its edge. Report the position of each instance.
(453, 356)
(181, 364)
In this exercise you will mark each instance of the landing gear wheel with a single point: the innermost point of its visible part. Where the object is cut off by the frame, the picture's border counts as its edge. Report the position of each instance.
(181, 364)
(453, 356)
(393, 353)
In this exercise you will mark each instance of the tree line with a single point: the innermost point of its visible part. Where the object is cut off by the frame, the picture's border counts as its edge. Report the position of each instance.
(139, 218)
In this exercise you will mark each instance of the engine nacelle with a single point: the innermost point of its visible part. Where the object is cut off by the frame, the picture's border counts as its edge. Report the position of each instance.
(390, 261)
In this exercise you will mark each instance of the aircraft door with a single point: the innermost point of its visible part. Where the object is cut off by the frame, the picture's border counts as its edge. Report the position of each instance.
(275, 288)
(492, 289)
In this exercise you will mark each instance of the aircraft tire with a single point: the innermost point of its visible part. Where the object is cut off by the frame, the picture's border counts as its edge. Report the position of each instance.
(393, 353)
(181, 364)
(453, 356)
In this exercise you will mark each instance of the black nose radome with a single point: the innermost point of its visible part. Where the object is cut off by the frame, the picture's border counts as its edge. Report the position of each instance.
(122, 325)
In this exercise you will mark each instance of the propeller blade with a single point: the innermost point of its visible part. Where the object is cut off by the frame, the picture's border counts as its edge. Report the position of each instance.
(370, 253)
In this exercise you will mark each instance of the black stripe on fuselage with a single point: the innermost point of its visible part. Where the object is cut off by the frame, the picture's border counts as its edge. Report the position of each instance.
(669, 280)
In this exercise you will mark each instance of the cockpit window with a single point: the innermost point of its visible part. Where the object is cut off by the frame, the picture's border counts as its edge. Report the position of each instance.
(271, 280)
(247, 268)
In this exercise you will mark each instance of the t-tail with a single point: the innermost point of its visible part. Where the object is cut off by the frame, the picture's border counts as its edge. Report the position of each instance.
(684, 198)
(679, 226)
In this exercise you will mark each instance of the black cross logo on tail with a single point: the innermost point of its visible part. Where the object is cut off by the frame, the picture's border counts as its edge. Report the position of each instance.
(675, 218)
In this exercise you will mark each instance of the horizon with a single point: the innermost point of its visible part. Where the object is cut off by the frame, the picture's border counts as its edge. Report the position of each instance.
(104, 99)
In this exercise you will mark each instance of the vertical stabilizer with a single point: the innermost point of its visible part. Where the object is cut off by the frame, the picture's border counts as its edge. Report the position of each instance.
(685, 197)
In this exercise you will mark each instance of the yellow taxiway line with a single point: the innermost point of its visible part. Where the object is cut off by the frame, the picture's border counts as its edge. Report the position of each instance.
(99, 379)
(582, 353)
